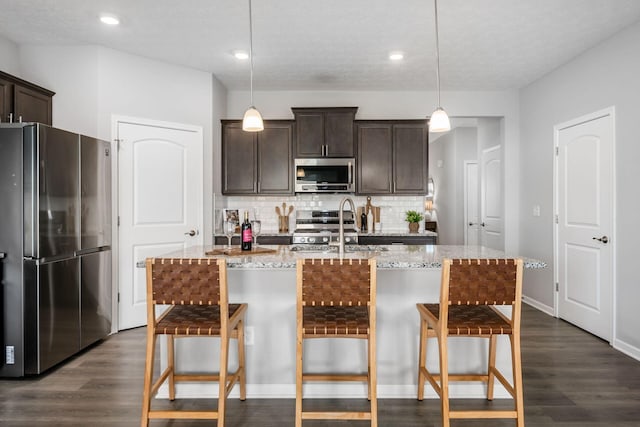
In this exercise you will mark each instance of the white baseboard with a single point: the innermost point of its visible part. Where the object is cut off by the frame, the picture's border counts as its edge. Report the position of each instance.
(319, 391)
(538, 305)
(627, 349)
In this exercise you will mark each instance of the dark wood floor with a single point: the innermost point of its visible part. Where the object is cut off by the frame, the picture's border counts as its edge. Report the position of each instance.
(571, 380)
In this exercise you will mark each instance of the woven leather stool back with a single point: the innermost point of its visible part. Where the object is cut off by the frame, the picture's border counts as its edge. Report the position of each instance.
(333, 282)
(185, 281)
(482, 282)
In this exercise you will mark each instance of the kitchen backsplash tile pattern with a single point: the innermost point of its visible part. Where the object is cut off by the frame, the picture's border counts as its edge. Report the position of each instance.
(392, 208)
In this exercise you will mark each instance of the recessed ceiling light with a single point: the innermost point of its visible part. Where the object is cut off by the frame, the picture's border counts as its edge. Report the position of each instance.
(396, 56)
(241, 54)
(109, 19)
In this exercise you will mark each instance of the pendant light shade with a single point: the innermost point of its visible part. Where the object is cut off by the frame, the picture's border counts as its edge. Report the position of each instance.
(439, 121)
(252, 121)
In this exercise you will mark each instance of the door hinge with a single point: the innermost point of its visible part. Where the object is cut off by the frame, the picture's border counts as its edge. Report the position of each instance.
(557, 287)
(118, 220)
(118, 296)
(557, 221)
(557, 151)
(117, 141)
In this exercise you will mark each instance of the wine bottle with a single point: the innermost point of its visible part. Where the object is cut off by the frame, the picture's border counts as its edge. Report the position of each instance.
(246, 233)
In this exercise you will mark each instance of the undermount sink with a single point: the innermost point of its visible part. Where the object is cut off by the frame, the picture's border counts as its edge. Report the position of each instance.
(332, 249)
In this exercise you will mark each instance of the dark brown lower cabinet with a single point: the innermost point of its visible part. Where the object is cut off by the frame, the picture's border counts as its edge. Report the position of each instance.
(257, 162)
(397, 240)
(262, 240)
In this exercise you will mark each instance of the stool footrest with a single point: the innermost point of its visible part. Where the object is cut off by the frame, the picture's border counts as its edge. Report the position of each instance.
(336, 415)
(335, 377)
(184, 415)
(482, 414)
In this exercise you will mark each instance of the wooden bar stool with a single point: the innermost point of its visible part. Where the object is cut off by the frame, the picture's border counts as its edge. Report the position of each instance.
(470, 290)
(336, 299)
(196, 292)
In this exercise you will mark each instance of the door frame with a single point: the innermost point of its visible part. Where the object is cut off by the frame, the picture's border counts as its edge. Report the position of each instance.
(115, 194)
(466, 165)
(609, 111)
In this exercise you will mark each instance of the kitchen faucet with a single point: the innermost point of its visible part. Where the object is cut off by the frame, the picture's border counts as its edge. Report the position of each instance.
(341, 222)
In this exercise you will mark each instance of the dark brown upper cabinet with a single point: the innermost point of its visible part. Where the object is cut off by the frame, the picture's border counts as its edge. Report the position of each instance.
(24, 101)
(393, 156)
(324, 132)
(257, 162)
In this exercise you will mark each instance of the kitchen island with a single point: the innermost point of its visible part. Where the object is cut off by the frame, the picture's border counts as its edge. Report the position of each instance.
(406, 275)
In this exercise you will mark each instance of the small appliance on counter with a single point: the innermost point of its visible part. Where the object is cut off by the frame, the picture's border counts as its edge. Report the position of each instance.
(323, 227)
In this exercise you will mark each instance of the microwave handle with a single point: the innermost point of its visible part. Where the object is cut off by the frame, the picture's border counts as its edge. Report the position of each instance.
(350, 177)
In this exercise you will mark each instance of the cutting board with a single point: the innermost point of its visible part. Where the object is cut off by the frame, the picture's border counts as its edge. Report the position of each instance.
(239, 252)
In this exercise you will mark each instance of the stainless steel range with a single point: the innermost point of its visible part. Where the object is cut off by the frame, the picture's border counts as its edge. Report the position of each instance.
(322, 227)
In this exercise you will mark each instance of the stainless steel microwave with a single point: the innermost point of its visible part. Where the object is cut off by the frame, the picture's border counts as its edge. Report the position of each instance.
(325, 175)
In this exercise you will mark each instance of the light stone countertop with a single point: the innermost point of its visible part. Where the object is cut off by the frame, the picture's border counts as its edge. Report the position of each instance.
(393, 233)
(394, 257)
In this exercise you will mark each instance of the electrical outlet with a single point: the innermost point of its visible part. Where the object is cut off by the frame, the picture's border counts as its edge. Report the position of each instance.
(536, 210)
(248, 335)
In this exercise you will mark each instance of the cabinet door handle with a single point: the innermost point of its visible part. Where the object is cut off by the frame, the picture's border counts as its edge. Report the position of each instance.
(259, 186)
(10, 117)
(326, 150)
(394, 186)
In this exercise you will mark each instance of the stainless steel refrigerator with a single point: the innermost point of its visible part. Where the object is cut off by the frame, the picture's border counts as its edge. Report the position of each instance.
(55, 232)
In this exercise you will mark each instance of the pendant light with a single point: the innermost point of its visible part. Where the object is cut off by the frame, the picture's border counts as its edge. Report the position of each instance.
(439, 121)
(252, 121)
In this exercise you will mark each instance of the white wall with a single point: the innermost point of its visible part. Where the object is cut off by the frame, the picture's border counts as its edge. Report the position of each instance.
(407, 105)
(93, 83)
(606, 75)
(72, 72)
(450, 152)
(219, 111)
(9, 57)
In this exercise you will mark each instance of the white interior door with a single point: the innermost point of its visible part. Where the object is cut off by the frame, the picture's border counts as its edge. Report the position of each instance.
(471, 204)
(160, 174)
(491, 224)
(585, 223)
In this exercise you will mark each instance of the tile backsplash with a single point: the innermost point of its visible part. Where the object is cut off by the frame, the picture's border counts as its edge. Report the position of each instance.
(392, 208)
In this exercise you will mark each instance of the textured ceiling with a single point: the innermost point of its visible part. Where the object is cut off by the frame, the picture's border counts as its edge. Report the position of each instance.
(336, 44)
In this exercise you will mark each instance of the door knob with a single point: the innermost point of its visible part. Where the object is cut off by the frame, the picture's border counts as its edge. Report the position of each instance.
(191, 233)
(603, 239)
(482, 224)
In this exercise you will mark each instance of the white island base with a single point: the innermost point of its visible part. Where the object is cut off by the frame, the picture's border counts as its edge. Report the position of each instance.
(271, 295)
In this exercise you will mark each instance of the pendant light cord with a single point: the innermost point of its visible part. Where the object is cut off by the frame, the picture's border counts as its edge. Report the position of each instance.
(251, 51)
(435, 7)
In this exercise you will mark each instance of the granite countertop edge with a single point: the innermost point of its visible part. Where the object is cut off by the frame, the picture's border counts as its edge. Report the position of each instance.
(413, 257)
